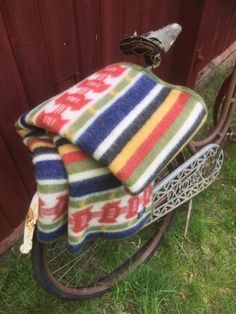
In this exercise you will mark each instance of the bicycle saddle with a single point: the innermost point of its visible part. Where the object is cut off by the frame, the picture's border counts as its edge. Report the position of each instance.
(151, 44)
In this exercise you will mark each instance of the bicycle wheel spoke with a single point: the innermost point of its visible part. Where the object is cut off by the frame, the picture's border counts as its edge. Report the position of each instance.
(71, 261)
(85, 265)
(68, 270)
(56, 256)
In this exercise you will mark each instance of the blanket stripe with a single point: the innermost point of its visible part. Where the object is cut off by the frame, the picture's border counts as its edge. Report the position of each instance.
(133, 122)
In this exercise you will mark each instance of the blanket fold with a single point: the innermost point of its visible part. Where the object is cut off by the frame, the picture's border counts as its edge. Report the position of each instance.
(98, 146)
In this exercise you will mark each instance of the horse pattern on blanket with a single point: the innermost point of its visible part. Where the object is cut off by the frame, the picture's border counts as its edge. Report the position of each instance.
(98, 142)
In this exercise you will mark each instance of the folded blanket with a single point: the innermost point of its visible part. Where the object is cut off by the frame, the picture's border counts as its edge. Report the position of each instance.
(109, 134)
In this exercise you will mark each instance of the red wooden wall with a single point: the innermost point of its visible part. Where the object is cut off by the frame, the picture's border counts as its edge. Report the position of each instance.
(48, 45)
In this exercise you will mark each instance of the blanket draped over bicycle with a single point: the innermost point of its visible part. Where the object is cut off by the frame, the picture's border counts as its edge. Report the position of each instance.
(98, 146)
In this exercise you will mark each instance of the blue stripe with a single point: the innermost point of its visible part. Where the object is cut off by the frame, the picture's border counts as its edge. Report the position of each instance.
(49, 236)
(44, 150)
(50, 169)
(93, 185)
(113, 115)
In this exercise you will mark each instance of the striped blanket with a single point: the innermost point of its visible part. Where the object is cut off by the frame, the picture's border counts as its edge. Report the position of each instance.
(98, 146)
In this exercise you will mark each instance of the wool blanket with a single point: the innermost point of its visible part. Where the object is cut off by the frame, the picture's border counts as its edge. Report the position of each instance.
(98, 146)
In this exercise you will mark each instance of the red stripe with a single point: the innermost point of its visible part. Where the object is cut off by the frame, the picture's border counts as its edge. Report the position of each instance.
(153, 138)
(74, 157)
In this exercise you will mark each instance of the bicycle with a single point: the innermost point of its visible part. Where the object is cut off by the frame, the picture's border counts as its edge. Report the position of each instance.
(184, 177)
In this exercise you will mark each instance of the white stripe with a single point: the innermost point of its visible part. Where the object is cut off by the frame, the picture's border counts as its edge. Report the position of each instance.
(46, 157)
(168, 148)
(93, 118)
(52, 181)
(88, 174)
(119, 129)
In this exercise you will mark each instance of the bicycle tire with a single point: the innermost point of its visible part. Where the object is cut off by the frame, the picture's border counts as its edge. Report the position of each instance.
(53, 286)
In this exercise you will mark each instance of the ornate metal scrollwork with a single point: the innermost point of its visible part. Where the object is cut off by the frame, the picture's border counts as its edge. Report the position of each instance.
(186, 181)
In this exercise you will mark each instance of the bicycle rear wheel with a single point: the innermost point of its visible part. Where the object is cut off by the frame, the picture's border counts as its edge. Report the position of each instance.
(100, 264)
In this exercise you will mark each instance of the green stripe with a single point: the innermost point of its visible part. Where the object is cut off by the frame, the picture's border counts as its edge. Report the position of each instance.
(115, 193)
(52, 227)
(52, 188)
(86, 116)
(83, 165)
(160, 145)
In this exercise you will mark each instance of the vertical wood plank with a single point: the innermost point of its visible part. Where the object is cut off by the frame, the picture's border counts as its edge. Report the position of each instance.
(13, 103)
(59, 31)
(22, 20)
(5, 229)
(185, 47)
(88, 35)
(14, 199)
(217, 28)
(112, 30)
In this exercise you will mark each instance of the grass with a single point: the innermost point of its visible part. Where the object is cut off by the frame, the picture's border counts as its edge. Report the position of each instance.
(192, 275)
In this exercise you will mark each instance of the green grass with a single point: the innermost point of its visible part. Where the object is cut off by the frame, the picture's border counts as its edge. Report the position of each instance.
(192, 275)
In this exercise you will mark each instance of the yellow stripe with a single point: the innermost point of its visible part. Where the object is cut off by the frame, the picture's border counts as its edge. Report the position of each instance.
(68, 148)
(114, 93)
(41, 144)
(128, 78)
(23, 132)
(92, 110)
(144, 132)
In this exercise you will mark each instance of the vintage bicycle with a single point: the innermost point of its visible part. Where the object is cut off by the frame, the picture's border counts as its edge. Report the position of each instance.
(103, 263)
